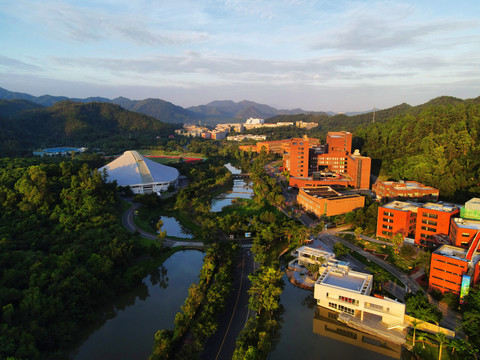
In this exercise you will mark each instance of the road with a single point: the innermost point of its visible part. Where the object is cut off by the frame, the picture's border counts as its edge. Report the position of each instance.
(129, 224)
(409, 283)
(232, 320)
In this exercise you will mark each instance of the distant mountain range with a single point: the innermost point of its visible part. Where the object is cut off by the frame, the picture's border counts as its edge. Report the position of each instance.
(211, 113)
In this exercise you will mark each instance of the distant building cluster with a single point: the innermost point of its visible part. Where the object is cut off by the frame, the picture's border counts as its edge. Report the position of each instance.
(59, 151)
(311, 164)
(202, 131)
(246, 137)
(454, 229)
(221, 130)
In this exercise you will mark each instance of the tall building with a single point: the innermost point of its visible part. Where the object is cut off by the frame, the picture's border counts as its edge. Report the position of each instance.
(311, 164)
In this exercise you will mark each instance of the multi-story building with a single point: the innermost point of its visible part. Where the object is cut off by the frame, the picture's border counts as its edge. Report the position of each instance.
(397, 217)
(433, 223)
(404, 189)
(326, 201)
(471, 209)
(311, 164)
(453, 269)
(463, 231)
(343, 290)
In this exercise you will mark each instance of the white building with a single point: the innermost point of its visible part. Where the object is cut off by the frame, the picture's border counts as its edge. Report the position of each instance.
(141, 174)
(343, 290)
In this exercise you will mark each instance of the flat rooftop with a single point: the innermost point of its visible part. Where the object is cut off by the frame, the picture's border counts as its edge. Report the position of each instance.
(326, 192)
(468, 224)
(352, 280)
(452, 252)
(445, 207)
(473, 204)
(402, 205)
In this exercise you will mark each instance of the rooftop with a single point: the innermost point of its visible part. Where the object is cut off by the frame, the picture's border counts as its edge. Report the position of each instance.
(402, 205)
(469, 224)
(445, 207)
(473, 204)
(351, 280)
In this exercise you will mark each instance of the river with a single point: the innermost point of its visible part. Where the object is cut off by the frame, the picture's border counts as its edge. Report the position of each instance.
(241, 189)
(139, 313)
(311, 333)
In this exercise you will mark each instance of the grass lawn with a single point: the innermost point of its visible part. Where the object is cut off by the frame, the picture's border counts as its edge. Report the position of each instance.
(170, 153)
(431, 350)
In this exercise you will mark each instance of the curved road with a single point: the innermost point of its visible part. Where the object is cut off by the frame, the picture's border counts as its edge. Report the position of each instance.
(129, 224)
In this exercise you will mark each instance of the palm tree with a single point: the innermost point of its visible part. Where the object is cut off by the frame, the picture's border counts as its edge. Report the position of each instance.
(422, 337)
(415, 324)
(441, 338)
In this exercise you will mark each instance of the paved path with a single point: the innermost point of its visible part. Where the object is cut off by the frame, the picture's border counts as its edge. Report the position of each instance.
(129, 224)
(232, 320)
(409, 283)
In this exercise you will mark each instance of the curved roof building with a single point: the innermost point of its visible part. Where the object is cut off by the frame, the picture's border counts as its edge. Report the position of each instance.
(141, 174)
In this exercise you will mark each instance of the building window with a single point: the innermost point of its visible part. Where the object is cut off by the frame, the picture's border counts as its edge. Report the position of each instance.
(465, 235)
(427, 228)
(431, 216)
(429, 222)
(387, 213)
(387, 227)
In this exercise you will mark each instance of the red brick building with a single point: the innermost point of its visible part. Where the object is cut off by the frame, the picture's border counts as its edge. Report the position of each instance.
(397, 217)
(326, 201)
(404, 189)
(433, 220)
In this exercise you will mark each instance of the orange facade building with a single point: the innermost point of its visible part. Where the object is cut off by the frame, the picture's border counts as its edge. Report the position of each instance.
(404, 189)
(450, 266)
(311, 164)
(463, 231)
(433, 221)
(326, 201)
(397, 217)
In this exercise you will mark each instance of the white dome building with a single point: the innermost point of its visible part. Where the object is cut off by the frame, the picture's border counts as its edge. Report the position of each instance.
(141, 174)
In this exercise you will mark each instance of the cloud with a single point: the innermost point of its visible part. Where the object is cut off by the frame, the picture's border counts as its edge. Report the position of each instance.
(385, 26)
(17, 64)
(93, 24)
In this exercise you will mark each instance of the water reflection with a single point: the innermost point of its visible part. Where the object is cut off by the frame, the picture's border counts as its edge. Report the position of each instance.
(298, 341)
(325, 323)
(127, 327)
(241, 189)
(174, 228)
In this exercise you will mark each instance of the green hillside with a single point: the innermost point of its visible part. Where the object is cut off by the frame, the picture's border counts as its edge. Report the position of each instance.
(436, 143)
(75, 124)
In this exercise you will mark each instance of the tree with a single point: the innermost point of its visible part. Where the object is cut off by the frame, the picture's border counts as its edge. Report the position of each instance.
(339, 249)
(161, 234)
(422, 337)
(415, 324)
(397, 240)
(441, 338)
(358, 231)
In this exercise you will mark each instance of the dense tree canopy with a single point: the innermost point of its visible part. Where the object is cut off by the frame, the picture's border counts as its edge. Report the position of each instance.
(62, 251)
(438, 146)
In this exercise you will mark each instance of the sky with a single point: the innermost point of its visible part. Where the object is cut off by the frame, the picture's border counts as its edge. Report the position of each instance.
(332, 55)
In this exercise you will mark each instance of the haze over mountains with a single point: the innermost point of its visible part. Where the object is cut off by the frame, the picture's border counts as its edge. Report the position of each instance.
(211, 113)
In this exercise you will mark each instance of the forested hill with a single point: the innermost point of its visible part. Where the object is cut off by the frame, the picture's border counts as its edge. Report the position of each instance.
(73, 124)
(436, 143)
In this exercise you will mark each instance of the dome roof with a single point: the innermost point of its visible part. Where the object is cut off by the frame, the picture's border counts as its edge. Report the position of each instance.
(133, 169)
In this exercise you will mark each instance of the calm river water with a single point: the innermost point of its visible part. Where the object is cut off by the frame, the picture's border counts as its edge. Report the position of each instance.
(241, 189)
(130, 331)
(311, 333)
(174, 228)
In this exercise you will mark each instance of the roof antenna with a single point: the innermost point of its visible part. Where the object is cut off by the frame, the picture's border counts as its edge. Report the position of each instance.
(373, 119)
